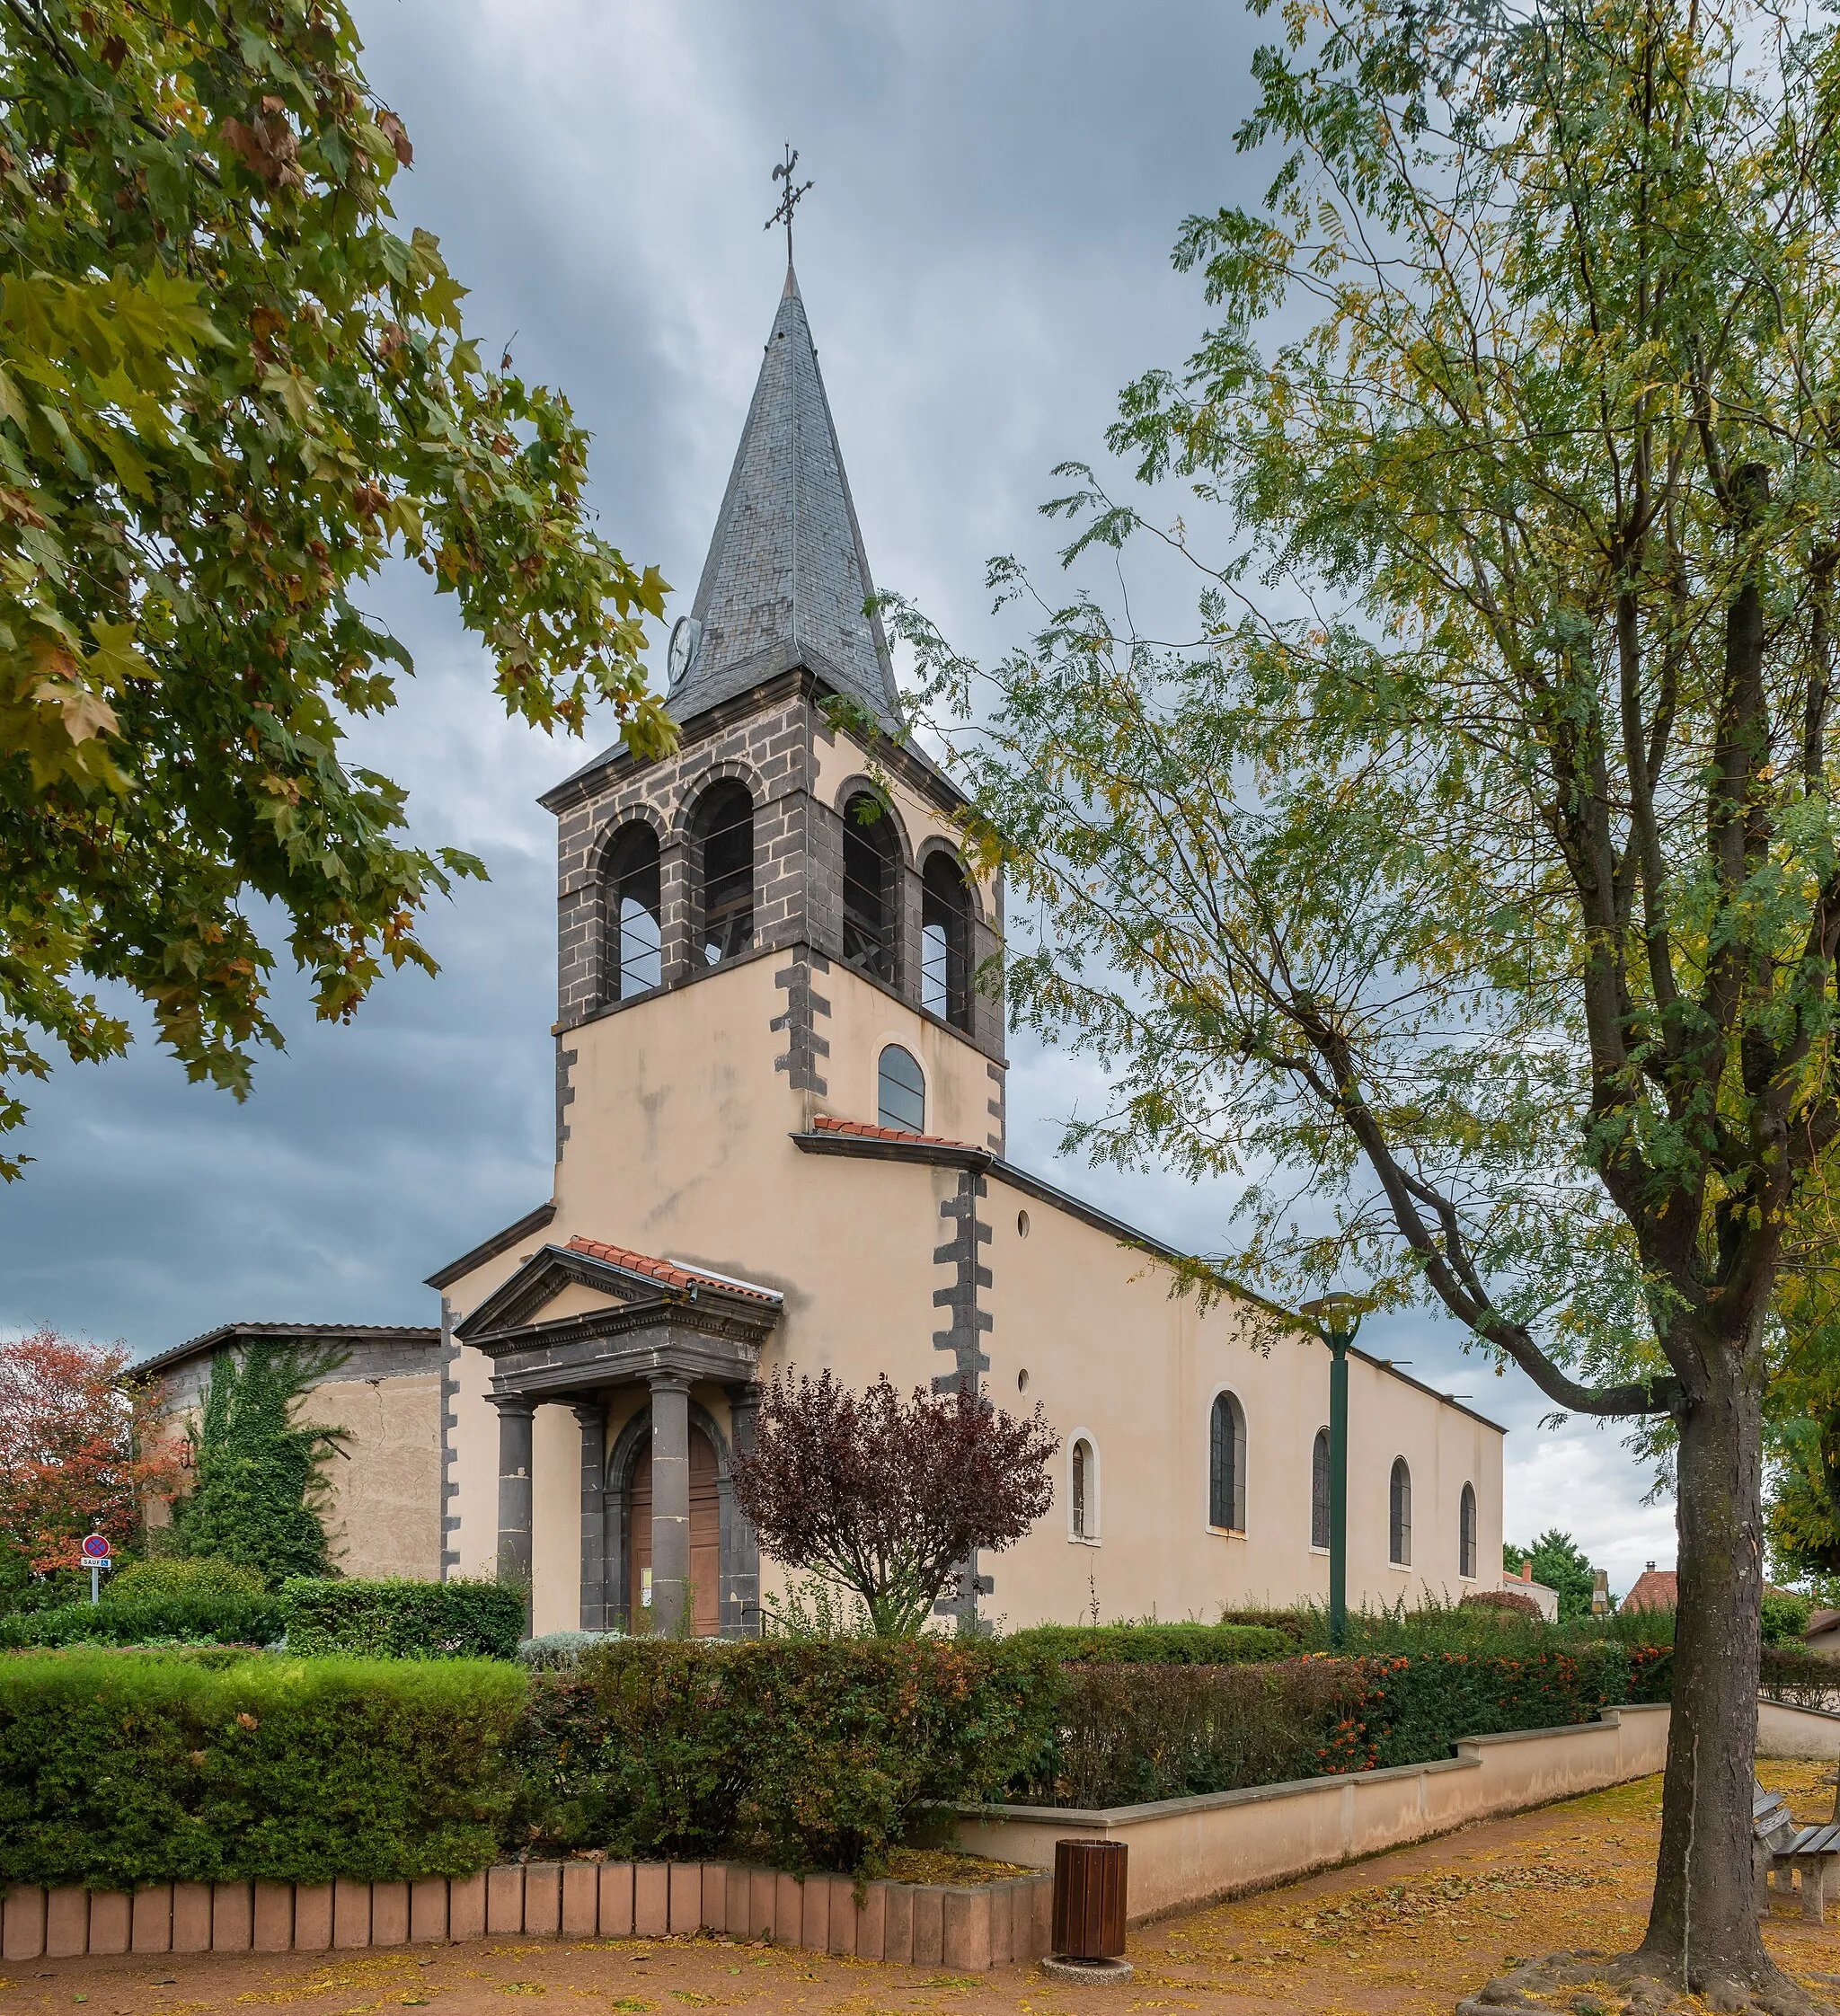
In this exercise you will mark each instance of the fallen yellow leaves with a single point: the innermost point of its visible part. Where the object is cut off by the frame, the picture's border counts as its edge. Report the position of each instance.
(1435, 1900)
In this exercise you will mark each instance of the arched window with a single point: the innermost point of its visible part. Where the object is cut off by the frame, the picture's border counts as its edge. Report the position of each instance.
(633, 900)
(723, 833)
(1319, 1490)
(900, 1091)
(945, 941)
(1398, 1516)
(1226, 1465)
(870, 855)
(1082, 1496)
(1466, 1533)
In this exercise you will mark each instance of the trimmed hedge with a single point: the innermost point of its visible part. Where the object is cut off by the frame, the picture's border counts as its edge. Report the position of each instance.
(1157, 1644)
(202, 1619)
(1411, 1709)
(1126, 1734)
(397, 1619)
(804, 1754)
(117, 1770)
(161, 1576)
(1803, 1679)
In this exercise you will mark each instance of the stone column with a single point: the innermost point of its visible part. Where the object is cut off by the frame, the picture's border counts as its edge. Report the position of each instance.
(741, 1591)
(670, 1502)
(515, 1413)
(675, 961)
(592, 1415)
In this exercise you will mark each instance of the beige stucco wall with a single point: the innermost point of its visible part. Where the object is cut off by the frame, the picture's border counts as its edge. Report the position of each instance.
(679, 1147)
(1108, 1351)
(385, 1515)
(1783, 1731)
(382, 1516)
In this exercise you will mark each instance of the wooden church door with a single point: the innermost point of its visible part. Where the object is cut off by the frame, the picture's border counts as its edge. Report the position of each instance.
(705, 1538)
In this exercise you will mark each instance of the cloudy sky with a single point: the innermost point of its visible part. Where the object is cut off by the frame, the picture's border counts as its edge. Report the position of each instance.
(985, 260)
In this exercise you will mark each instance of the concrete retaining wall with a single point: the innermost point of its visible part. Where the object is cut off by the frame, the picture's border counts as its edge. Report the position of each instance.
(966, 1929)
(1796, 1732)
(1188, 1851)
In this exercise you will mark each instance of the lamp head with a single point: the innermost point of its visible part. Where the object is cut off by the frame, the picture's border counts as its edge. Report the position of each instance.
(1338, 1313)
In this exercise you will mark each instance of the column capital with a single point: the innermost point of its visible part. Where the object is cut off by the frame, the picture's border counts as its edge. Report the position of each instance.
(665, 1380)
(513, 1404)
(744, 1394)
(590, 1414)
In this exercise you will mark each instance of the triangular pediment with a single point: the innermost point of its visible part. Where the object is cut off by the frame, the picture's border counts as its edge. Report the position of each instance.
(556, 1282)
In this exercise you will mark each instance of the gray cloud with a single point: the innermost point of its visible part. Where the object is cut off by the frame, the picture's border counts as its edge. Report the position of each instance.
(985, 261)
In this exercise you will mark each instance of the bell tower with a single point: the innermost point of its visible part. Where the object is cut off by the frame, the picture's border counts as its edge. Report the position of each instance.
(784, 834)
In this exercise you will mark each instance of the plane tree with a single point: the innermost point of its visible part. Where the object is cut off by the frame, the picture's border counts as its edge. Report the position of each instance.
(230, 390)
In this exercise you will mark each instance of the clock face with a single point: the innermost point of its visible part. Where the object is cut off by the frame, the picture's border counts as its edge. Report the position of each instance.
(685, 636)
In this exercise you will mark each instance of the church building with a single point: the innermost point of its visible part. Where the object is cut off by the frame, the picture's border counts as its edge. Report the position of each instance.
(780, 1145)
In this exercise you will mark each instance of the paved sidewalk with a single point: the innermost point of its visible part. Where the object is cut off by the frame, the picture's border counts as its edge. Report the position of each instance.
(1409, 1932)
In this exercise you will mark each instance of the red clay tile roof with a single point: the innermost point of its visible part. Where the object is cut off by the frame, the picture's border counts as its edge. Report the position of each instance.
(1656, 1588)
(671, 1273)
(827, 1123)
(1819, 1621)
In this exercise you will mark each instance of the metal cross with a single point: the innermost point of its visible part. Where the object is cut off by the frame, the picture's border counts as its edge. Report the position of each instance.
(789, 196)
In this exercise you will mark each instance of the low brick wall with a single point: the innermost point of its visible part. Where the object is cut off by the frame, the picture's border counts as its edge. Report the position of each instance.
(1189, 1852)
(968, 1929)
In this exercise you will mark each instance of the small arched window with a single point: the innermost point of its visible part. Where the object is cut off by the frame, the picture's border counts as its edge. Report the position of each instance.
(945, 941)
(1466, 1534)
(1319, 1490)
(633, 905)
(1398, 1516)
(1082, 1496)
(868, 886)
(1226, 1465)
(723, 834)
(900, 1091)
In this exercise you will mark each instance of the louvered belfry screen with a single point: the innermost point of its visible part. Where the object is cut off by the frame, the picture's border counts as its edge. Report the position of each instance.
(1089, 1899)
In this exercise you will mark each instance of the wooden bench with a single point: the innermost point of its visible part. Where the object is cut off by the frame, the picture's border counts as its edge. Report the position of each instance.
(1781, 1848)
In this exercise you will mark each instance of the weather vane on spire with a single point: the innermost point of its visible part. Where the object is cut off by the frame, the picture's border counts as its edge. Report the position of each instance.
(789, 196)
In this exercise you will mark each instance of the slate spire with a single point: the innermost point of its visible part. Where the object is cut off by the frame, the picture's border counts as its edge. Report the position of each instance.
(786, 577)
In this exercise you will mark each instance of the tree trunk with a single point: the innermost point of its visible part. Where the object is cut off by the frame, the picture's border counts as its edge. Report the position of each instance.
(1703, 1928)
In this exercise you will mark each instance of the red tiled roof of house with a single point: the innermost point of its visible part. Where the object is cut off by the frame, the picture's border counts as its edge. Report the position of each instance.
(1656, 1588)
(827, 1123)
(1820, 1621)
(673, 1274)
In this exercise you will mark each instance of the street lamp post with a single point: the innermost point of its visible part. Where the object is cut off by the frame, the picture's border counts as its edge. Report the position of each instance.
(1335, 1318)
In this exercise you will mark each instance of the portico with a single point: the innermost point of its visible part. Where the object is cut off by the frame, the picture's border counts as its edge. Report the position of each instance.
(670, 1353)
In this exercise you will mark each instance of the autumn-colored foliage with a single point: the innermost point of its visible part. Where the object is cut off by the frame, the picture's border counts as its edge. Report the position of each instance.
(886, 1496)
(74, 1456)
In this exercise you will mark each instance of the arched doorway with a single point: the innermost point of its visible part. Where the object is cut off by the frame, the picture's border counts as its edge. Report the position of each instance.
(705, 1537)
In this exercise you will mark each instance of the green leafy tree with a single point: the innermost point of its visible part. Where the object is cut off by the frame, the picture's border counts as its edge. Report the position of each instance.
(1476, 868)
(1802, 1428)
(1560, 1564)
(261, 1491)
(229, 391)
